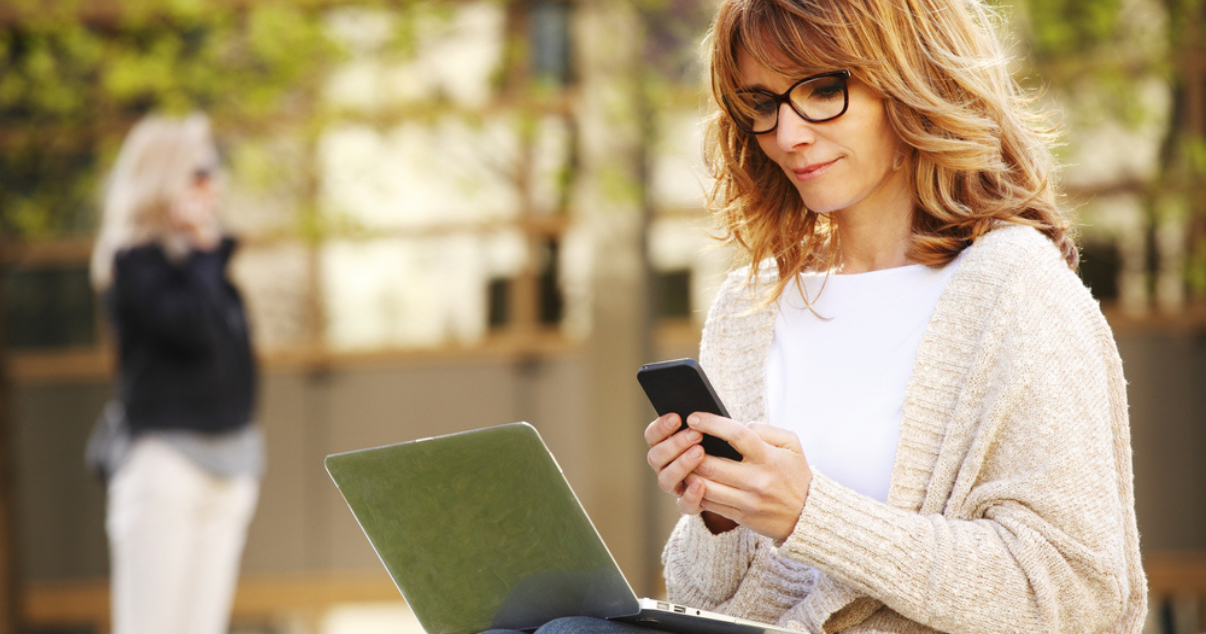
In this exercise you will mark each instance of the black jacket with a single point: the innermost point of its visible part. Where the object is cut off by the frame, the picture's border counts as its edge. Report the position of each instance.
(185, 359)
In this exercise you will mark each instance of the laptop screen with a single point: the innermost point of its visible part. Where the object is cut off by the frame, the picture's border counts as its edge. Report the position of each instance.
(481, 530)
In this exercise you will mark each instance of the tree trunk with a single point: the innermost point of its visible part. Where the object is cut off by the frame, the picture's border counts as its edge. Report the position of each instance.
(611, 200)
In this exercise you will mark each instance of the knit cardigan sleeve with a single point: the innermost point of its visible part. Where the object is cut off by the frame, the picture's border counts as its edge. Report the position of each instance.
(737, 572)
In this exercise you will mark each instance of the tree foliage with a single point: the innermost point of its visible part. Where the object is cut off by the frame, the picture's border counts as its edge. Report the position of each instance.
(1098, 55)
(71, 84)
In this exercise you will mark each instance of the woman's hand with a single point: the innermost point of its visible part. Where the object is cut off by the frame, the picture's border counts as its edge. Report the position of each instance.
(194, 217)
(765, 492)
(673, 456)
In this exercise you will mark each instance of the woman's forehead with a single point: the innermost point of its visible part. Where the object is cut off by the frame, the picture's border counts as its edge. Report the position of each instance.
(793, 46)
(774, 63)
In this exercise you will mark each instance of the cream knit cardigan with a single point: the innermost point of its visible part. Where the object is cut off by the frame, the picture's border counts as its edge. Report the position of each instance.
(1011, 506)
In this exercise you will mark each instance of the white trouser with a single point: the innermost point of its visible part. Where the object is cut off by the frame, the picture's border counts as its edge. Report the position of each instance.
(176, 535)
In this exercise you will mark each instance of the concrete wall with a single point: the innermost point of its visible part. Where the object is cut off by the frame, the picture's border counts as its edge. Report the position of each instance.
(303, 525)
(1166, 375)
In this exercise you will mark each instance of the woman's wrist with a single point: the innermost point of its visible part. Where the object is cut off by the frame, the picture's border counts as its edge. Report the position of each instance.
(717, 524)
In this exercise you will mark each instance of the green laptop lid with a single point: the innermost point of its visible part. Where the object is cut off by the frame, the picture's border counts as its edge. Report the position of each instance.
(480, 530)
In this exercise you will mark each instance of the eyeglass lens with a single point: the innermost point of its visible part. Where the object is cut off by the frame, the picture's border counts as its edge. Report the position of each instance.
(817, 99)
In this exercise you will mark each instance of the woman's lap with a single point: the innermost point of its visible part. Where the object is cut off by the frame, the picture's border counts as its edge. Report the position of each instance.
(582, 625)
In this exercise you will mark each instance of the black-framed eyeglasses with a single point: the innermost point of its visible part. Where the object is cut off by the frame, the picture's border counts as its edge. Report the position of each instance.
(205, 172)
(816, 99)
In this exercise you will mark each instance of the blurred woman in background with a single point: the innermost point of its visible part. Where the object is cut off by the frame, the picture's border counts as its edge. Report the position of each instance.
(183, 478)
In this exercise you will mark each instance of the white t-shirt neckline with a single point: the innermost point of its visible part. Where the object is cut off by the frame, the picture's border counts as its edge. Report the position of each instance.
(836, 374)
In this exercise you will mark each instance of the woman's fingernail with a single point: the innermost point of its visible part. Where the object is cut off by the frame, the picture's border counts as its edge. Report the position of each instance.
(670, 422)
(693, 420)
(694, 436)
(695, 452)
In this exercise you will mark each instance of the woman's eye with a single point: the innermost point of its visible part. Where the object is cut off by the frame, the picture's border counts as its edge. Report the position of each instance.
(763, 105)
(830, 89)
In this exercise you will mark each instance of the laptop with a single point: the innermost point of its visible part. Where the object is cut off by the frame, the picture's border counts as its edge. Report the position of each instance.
(481, 530)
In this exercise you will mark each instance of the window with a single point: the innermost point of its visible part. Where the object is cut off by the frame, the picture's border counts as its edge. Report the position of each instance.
(1100, 264)
(548, 28)
(49, 307)
(672, 294)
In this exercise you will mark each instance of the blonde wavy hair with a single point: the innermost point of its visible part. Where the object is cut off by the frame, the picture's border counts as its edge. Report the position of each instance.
(157, 162)
(977, 154)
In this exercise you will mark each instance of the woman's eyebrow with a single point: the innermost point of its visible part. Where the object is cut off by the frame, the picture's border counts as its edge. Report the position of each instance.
(763, 86)
(791, 78)
(751, 87)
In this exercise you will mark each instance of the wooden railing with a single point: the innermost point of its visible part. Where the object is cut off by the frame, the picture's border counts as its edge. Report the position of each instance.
(1177, 591)
(260, 600)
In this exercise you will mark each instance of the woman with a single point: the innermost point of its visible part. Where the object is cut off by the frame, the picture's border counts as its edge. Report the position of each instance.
(929, 403)
(183, 487)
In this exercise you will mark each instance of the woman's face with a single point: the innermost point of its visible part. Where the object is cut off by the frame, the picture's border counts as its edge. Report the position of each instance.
(843, 165)
(195, 208)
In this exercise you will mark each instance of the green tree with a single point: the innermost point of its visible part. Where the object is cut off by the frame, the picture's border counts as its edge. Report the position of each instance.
(71, 84)
(1111, 48)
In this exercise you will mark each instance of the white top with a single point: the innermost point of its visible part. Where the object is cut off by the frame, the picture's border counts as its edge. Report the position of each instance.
(837, 378)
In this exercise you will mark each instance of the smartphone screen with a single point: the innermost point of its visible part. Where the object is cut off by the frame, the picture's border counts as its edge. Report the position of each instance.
(681, 387)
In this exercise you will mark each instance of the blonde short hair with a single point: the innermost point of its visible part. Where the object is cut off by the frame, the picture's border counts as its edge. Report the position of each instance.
(156, 164)
(976, 153)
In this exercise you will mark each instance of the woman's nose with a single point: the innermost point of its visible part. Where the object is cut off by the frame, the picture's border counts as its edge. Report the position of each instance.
(793, 130)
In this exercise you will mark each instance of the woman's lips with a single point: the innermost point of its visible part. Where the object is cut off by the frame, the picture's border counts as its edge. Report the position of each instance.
(815, 170)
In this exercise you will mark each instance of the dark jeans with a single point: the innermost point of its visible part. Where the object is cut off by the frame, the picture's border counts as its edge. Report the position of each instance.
(581, 625)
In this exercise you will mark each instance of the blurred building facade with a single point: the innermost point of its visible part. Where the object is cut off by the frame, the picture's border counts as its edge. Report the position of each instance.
(499, 216)
(485, 227)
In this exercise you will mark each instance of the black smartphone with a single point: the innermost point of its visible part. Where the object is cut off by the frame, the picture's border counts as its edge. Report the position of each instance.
(681, 387)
